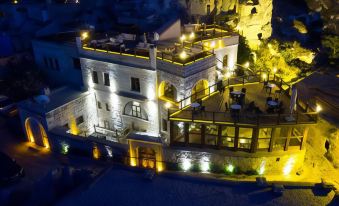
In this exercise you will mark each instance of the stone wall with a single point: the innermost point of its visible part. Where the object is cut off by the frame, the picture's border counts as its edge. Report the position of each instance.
(119, 93)
(250, 23)
(285, 162)
(66, 114)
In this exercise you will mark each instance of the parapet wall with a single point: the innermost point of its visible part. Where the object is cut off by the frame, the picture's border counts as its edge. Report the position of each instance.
(279, 163)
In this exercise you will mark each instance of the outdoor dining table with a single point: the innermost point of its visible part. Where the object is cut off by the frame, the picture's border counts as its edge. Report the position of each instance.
(272, 103)
(236, 106)
(195, 105)
(236, 92)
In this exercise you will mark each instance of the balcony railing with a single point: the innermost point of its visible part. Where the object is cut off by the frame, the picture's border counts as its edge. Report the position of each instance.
(242, 118)
(205, 93)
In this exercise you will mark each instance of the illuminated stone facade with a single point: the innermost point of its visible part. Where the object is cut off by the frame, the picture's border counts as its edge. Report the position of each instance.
(253, 17)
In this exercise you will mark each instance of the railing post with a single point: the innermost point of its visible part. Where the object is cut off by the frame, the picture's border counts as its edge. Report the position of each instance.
(278, 122)
(213, 117)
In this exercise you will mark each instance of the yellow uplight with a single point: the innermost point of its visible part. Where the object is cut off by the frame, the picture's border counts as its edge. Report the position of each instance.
(264, 76)
(183, 55)
(183, 38)
(133, 162)
(230, 168)
(318, 108)
(96, 152)
(84, 35)
(192, 35)
(168, 105)
(247, 64)
(289, 166)
(212, 44)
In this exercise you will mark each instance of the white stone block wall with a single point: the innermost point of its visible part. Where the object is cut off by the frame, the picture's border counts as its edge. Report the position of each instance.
(120, 81)
(270, 162)
(82, 106)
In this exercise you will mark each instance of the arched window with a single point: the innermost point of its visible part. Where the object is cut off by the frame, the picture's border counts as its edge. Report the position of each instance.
(135, 109)
(168, 91)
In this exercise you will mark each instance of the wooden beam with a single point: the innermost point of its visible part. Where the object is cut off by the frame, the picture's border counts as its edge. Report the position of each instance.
(273, 138)
(304, 138)
(287, 143)
(254, 143)
(186, 133)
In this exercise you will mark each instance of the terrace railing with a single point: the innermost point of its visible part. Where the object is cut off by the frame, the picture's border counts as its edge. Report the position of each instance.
(205, 93)
(175, 59)
(242, 118)
(308, 116)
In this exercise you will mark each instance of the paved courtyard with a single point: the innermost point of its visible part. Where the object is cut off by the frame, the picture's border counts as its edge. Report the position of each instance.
(124, 187)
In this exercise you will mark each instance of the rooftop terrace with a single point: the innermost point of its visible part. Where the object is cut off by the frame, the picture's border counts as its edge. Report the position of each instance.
(190, 48)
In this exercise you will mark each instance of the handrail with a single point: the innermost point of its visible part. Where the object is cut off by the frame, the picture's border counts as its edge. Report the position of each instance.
(232, 81)
(247, 118)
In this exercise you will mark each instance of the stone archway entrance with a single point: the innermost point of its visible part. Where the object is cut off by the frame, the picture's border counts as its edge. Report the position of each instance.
(200, 90)
(36, 132)
(147, 157)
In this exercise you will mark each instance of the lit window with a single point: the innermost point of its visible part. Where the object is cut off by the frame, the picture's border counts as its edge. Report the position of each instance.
(136, 109)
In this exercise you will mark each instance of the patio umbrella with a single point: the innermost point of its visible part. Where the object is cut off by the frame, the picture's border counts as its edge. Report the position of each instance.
(293, 103)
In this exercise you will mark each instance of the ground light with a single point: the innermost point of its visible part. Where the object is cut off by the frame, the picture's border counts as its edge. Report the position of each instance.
(84, 35)
(289, 166)
(183, 55)
(64, 148)
(212, 44)
(247, 65)
(204, 164)
(318, 108)
(186, 164)
(261, 170)
(192, 35)
(182, 38)
(274, 70)
(230, 168)
(96, 152)
(264, 76)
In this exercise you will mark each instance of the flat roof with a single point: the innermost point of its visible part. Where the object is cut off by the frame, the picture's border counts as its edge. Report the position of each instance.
(57, 98)
(63, 37)
(145, 137)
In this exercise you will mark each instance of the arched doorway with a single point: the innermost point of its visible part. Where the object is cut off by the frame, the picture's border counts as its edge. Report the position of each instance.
(36, 132)
(147, 157)
(200, 90)
(168, 91)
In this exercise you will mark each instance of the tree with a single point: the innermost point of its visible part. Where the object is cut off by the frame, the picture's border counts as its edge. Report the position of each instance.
(244, 51)
(331, 45)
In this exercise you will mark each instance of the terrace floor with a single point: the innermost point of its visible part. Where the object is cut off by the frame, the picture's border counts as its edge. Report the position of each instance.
(216, 112)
